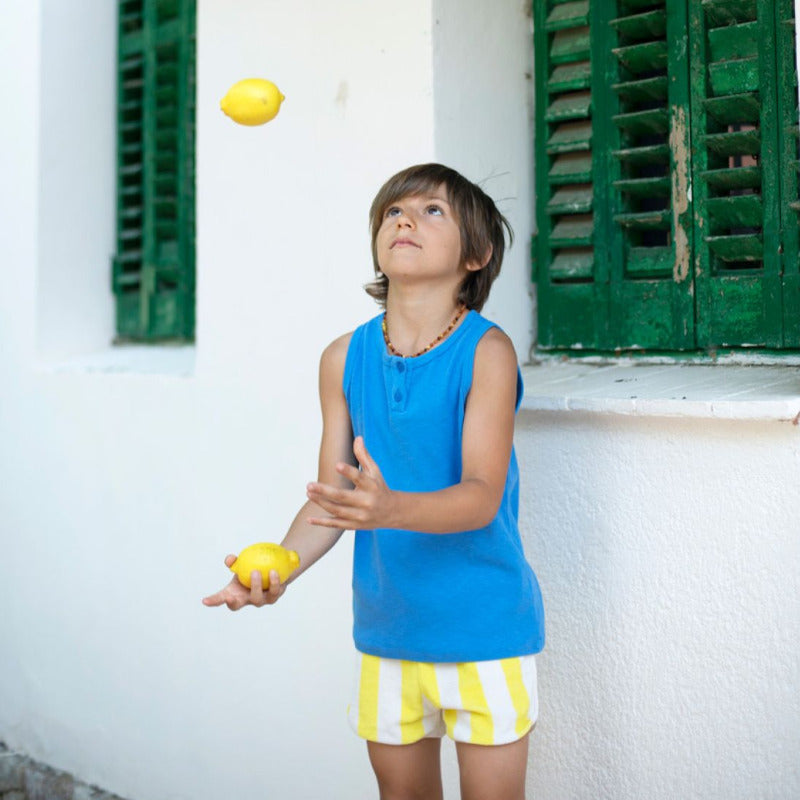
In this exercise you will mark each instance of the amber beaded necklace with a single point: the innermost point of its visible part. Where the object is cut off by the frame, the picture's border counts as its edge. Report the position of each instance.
(395, 352)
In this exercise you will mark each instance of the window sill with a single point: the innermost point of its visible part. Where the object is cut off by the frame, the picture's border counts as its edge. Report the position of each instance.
(174, 360)
(665, 390)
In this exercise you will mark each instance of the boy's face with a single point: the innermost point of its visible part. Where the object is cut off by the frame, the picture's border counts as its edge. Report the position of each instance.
(419, 237)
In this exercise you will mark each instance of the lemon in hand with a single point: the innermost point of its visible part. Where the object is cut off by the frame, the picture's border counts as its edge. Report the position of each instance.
(252, 101)
(265, 557)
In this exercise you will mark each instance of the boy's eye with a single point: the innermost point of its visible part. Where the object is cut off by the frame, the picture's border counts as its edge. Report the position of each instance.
(434, 209)
(392, 211)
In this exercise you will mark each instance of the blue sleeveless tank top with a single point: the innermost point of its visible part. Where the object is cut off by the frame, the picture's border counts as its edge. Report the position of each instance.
(468, 596)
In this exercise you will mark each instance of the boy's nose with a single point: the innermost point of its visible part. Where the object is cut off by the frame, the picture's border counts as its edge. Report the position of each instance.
(404, 221)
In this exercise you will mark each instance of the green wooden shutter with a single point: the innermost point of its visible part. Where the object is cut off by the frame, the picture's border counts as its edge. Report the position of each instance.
(153, 268)
(667, 174)
(614, 229)
(652, 304)
(736, 135)
(573, 289)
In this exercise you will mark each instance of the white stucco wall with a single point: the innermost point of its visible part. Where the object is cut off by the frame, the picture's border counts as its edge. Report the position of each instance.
(122, 489)
(483, 126)
(668, 555)
(76, 177)
(126, 476)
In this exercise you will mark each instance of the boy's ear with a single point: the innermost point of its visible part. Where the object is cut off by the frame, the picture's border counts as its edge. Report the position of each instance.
(474, 266)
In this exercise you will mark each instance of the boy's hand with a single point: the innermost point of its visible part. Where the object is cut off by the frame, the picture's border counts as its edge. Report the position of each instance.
(369, 504)
(236, 595)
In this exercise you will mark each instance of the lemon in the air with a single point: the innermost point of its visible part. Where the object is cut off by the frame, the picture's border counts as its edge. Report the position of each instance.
(265, 557)
(252, 101)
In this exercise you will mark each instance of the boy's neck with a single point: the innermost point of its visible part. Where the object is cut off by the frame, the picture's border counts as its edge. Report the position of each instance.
(415, 319)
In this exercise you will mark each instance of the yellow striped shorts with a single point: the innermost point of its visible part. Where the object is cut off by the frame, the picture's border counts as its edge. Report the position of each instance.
(480, 702)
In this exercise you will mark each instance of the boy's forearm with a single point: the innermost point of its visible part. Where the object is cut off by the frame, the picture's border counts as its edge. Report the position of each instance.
(466, 506)
(309, 542)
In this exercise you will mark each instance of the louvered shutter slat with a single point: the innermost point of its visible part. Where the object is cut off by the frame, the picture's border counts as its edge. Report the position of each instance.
(729, 12)
(734, 108)
(744, 247)
(652, 23)
(733, 42)
(575, 105)
(573, 264)
(572, 231)
(645, 220)
(654, 120)
(639, 58)
(645, 155)
(734, 143)
(571, 168)
(568, 15)
(570, 137)
(642, 90)
(576, 199)
(569, 77)
(570, 45)
(733, 178)
(649, 263)
(647, 187)
(734, 211)
(740, 74)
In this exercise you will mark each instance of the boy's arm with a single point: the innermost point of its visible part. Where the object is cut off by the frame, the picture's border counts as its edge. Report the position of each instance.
(310, 542)
(336, 447)
(486, 451)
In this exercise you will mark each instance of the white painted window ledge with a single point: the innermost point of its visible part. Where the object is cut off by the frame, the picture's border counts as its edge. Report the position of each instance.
(674, 390)
(174, 360)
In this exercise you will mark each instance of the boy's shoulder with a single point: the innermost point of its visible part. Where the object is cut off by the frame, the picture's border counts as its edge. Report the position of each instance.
(336, 351)
(495, 341)
(495, 356)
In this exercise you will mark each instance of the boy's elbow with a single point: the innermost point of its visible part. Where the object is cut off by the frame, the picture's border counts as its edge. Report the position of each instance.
(488, 507)
(489, 516)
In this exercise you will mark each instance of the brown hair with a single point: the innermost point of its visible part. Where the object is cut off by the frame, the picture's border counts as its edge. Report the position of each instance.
(482, 227)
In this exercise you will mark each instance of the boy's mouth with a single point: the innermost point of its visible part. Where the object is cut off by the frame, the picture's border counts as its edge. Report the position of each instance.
(402, 243)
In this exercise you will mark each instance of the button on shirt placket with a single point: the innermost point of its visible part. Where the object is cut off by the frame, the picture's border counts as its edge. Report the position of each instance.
(399, 384)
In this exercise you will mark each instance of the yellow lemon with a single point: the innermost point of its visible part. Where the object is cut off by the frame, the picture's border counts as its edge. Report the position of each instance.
(252, 101)
(265, 557)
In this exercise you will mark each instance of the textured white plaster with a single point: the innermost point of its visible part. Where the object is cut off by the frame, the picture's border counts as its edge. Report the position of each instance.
(668, 556)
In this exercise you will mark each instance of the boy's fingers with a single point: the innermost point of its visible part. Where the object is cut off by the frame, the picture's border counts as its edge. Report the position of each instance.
(213, 600)
(350, 472)
(256, 588)
(328, 497)
(362, 454)
(230, 560)
(368, 465)
(274, 582)
(331, 522)
(218, 598)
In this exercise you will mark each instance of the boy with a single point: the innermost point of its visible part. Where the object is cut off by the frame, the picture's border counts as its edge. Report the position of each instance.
(417, 457)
